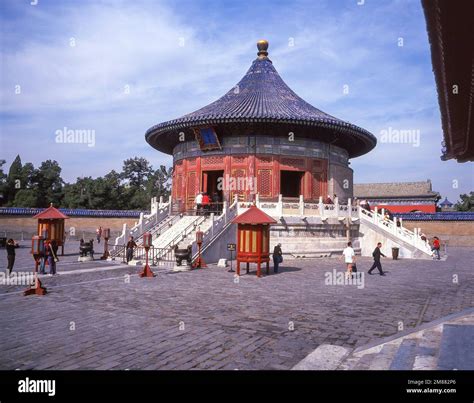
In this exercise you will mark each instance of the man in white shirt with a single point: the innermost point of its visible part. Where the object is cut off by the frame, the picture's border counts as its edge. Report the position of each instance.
(349, 258)
(198, 202)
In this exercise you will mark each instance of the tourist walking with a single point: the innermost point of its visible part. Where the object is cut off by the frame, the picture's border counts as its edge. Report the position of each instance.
(42, 266)
(436, 248)
(277, 257)
(10, 246)
(376, 255)
(51, 256)
(98, 232)
(130, 245)
(348, 254)
(198, 202)
(206, 202)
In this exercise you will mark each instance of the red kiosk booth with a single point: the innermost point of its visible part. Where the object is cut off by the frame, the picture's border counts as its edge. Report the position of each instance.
(51, 224)
(253, 238)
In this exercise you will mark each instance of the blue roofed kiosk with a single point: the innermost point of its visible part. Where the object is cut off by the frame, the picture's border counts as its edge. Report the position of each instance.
(260, 129)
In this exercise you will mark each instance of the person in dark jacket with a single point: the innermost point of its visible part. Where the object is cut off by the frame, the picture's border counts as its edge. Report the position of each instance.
(51, 256)
(376, 254)
(130, 245)
(10, 246)
(277, 257)
(215, 203)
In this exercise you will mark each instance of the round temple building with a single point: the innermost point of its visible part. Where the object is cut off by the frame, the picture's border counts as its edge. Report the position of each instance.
(261, 138)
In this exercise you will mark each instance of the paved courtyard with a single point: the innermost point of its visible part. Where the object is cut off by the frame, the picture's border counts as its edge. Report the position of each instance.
(204, 319)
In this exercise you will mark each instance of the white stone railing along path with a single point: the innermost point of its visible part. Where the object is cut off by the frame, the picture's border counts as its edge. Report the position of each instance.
(303, 209)
(413, 238)
(217, 226)
(175, 228)
(158, 212)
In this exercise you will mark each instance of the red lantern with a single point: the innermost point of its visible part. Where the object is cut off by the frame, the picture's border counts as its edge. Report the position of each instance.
(147, 241)
(37, 250)
(199, 236)
(199, 262)
(147, 244)
(37, 245)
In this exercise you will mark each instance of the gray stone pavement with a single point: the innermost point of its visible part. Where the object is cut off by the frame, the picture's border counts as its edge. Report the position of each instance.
(24, 261)
(203, 319)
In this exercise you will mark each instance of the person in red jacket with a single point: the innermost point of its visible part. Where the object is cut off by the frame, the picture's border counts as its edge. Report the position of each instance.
(436, 247)
(206, 201)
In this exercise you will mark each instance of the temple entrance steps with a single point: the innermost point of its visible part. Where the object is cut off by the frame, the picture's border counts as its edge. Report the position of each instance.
(445, 344)
(374, 228)
(183, 226)
(159, 213)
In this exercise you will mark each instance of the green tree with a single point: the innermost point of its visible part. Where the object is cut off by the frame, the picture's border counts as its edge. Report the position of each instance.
(466, 203)
(160, 182)
(113, 181)
(3, 184)
(79, 194)
(14, 180)
(25, 198)
(136, 171)
(49, 184)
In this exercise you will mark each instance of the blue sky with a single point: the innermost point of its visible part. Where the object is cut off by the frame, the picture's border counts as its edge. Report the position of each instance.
(137, 63)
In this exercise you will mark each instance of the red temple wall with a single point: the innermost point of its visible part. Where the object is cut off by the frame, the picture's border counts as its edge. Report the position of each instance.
(187, 175)
(406, 208)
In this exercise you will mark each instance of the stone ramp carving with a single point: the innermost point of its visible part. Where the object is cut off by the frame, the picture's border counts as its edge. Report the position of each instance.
(447, 343)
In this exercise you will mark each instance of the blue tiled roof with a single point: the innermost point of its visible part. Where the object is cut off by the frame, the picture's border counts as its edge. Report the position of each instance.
(72, 212)
(446, 202)
(262, 96)
(440, 216)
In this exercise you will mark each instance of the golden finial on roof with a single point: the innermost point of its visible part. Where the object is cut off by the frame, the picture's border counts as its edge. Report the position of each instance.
(262, 46)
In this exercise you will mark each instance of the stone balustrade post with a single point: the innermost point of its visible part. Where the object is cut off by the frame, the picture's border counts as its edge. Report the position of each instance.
(170, 205)
(140, 223)
(321, 206)
(336, 206)
(349, 208)
(301, 206)
(376, 215)
(280, 206)
(257, 200)
(213, 224)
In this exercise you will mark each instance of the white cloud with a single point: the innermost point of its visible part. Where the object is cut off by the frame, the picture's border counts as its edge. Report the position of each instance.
(138, 44)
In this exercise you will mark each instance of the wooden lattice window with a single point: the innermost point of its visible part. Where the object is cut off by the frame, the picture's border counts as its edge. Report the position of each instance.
(264, 182)
(294, 162)
(177, 186)
(214, 160)
(317, 165)
(239, 160)
(238, 173)
(318, 184)
(264, 160)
